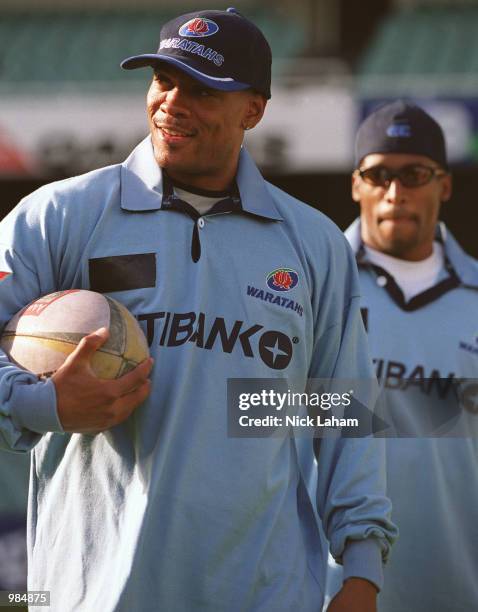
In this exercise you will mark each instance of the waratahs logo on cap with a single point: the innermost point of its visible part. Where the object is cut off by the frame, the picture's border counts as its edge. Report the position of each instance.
(198, 28)
(282, 279)
(399, 130)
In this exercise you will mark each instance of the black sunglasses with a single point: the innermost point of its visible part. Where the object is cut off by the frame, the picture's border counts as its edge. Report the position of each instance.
(413, 175)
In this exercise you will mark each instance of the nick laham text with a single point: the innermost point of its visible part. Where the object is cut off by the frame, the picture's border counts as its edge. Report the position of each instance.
(297, 421)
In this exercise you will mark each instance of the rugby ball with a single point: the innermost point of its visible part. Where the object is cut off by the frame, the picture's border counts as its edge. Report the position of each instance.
(41, 336)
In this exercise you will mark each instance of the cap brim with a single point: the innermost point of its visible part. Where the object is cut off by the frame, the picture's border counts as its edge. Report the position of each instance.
(151, 59)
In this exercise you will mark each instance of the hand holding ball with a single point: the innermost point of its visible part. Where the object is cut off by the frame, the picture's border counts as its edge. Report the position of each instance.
(41, 336)
(91, 346)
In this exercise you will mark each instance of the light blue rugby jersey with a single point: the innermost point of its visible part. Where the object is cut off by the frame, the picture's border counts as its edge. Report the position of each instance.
(433, 482)
(164, 511)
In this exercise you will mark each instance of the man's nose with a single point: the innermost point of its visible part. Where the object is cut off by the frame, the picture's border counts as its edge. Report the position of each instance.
(175, 103)
(395, 193)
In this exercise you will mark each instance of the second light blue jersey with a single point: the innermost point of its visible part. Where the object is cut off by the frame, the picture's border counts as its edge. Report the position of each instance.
(420, 349)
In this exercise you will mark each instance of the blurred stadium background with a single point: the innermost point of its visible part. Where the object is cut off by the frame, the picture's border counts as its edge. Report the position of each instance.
(66, 107)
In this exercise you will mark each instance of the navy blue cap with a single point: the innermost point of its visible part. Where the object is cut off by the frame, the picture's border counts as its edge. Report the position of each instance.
(221, 49)
(400, 127)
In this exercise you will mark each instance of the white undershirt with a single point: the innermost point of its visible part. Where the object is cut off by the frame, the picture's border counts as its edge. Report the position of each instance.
(201, 203)
(413, 277)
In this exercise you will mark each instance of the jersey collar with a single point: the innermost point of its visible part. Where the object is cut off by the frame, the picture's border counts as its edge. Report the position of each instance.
(142, 184)
(465, 266)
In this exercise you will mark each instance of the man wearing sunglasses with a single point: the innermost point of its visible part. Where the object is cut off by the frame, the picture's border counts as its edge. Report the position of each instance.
(420, 304)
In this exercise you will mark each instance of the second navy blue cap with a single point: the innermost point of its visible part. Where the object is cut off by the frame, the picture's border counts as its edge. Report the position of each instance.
(401, 127)
(221, 49)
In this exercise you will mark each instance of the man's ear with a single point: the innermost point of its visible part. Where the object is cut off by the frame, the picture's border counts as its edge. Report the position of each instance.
(356, 183)
(447, 187)
(254, 111)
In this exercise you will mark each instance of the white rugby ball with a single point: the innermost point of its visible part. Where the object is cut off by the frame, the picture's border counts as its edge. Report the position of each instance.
(41, 336)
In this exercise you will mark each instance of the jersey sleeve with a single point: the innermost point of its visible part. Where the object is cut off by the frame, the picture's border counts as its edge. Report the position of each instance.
(27, 405)
(351, 499)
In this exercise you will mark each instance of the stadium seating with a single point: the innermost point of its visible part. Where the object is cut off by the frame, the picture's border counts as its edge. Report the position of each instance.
(86, 47)
(440, 43)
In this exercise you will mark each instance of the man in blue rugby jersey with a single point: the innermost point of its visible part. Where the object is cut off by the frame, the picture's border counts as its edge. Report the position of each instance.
(419, 301)
(139, 499)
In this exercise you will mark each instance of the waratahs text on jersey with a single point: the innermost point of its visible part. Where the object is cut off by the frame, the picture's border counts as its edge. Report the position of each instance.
(175, 329)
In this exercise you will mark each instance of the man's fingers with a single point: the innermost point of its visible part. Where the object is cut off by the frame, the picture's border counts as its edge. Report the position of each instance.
(89, 345)
(127, 403)
(86, 403)
(112, 412)
(135, 378)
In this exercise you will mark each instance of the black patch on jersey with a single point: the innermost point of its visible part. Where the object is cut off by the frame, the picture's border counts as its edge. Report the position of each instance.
(122, 272)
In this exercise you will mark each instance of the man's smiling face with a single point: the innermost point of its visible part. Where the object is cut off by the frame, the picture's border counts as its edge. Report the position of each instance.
(197, 131)
(399, 220)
